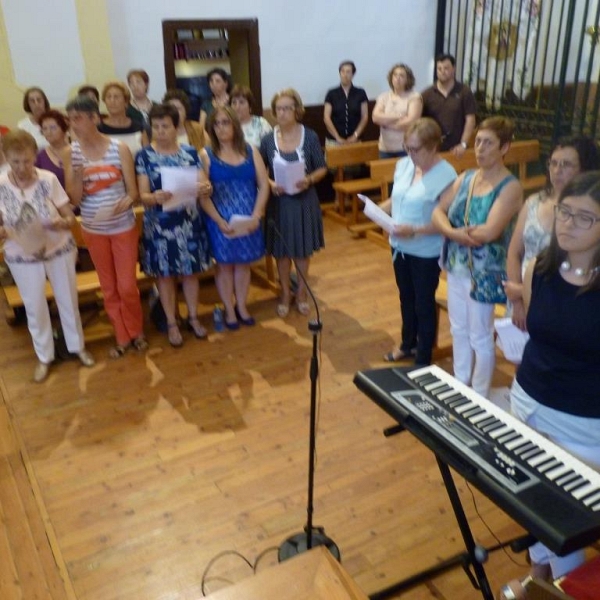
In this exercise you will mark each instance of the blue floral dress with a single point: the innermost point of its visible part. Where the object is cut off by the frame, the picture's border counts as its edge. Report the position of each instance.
(234, 193)
(173, 242)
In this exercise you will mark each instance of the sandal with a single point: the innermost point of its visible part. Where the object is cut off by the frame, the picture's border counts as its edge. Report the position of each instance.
(197, 329)
(514, 590)
(118, 351)
(398, 355)
(283, 310)
(174, 335)
(303, 308)
(140, 343)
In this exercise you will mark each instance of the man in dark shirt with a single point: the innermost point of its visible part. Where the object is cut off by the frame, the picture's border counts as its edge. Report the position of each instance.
(452, 105)
(346, 112)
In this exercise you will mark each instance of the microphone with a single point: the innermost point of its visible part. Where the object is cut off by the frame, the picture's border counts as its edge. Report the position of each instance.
(273, 226)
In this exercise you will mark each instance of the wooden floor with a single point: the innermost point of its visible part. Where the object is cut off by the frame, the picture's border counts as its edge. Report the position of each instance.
(123, 481)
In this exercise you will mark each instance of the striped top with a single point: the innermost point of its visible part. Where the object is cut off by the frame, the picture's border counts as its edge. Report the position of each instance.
(103, 187)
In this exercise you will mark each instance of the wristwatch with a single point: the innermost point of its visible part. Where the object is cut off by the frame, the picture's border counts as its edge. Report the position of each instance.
(464, 145)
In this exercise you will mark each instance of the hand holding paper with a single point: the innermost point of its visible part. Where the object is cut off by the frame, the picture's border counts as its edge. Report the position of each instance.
(182, 183)
(378, 216)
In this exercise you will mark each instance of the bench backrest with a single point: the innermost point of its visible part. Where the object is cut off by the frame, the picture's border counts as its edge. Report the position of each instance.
(346, 155)
(520, 153)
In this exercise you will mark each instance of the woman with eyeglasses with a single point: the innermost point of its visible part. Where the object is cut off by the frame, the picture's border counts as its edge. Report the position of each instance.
(419, 180)
(476, 216)
(294, 221)
(240, 191)
(556, 387)
(534, 225)
(174, 240)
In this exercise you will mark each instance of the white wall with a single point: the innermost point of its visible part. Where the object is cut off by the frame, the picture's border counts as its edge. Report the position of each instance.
(301, 43)
(43, 36)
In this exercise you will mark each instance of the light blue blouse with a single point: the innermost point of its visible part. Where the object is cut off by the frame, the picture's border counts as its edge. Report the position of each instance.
(413, 203)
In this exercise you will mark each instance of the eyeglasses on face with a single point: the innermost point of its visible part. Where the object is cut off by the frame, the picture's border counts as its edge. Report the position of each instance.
(412, 149)
(561, 164)
(580, 220)
(285, 108)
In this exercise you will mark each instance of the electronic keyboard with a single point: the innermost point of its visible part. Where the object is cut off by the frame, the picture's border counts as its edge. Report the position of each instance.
(549, 492)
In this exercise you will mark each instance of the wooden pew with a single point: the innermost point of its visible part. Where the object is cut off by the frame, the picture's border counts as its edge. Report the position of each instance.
(348, 155)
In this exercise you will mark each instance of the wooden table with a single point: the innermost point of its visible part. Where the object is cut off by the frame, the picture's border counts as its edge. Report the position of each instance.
(314, 575)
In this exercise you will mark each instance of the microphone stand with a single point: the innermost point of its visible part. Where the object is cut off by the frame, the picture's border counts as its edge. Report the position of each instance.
(312, 536)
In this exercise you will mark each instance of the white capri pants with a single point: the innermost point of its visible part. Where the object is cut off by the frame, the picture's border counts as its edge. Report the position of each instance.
(472, 329)
(31, 281)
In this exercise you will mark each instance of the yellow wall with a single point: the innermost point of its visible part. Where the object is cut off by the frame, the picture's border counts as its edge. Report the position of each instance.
(97, 57)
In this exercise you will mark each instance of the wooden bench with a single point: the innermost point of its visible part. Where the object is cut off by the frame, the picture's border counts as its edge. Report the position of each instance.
(349, 155)
(519, 155)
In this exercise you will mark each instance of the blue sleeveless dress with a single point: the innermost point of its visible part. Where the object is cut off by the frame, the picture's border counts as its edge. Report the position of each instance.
(234, 193)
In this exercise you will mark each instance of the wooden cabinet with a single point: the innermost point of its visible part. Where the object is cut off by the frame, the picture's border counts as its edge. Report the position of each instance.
(192, 48)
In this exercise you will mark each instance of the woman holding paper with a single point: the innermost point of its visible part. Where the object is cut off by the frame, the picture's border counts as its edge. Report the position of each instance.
(240, 193)
(100, 179)
(35, 223)
(419, 180)
(294, 221)
(555, 390)
(174, 239)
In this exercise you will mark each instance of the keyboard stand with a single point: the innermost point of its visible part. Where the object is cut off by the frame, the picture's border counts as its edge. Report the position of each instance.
(471, 560)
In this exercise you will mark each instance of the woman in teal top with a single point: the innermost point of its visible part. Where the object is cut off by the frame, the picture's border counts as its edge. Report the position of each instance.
(478, 231)
(418, 182)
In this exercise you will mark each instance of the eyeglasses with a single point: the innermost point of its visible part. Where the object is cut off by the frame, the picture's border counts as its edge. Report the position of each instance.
(580, 220)
(222, 123)
(561, 164)
(412, 149)
(285, 108)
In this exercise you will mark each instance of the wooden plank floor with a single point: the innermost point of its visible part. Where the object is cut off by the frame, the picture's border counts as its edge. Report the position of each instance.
(123, 481)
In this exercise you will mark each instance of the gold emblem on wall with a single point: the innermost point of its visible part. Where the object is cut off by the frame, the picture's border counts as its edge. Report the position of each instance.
(503, 40)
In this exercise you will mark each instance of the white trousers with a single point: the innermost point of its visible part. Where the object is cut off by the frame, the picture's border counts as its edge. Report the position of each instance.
(31, 281)
(472, 329)
(569, 432)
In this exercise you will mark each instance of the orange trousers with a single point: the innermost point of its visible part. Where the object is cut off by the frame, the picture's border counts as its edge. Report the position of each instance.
(115, 257)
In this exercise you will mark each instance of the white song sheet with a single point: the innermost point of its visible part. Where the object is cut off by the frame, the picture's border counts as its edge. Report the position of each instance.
(240, 224)
(288, 174)
(378, 216)
(511, 340)
(182, 183)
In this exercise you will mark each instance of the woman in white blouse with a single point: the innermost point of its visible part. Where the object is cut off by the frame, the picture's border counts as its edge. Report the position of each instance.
(395, 110)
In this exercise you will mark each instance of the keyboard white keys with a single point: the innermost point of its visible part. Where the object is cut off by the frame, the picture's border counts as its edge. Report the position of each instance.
(496, 424)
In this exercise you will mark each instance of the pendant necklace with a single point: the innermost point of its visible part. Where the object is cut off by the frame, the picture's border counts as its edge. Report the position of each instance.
(566, 267)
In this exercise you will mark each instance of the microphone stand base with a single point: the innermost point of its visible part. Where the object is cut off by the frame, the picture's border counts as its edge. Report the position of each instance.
(298, 543)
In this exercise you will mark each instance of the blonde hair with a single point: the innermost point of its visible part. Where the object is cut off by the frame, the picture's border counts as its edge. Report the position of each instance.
(295, 96)
(120, 86)
(428, 132)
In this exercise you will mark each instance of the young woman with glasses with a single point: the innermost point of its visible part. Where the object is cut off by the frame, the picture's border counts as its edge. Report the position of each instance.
(556, 387)
(534, 225)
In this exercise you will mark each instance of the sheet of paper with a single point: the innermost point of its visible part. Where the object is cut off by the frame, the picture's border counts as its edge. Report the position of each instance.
(378, 216)
(182, 183)
(511, 339)
(240, 225)
(288, 174)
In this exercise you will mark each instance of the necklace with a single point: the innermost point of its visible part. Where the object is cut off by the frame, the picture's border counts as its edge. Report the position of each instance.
(566, 267)
(13, 178)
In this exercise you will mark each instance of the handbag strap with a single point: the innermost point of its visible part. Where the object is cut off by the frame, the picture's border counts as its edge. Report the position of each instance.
(466, 218)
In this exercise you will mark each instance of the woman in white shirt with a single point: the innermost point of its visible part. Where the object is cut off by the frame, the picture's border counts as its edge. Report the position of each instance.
(35, 104)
